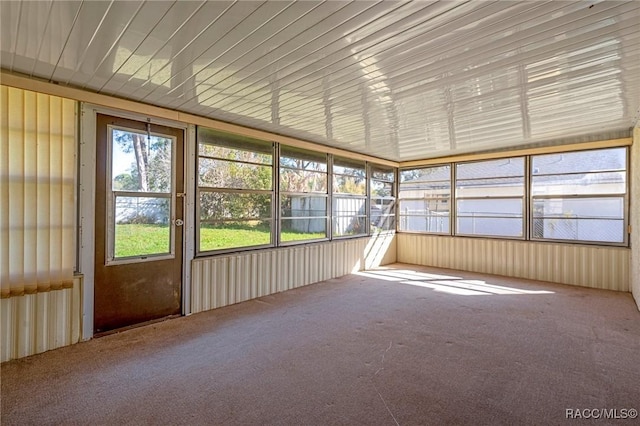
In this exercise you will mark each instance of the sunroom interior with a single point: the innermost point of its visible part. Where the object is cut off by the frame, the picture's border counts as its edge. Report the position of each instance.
(162, 159)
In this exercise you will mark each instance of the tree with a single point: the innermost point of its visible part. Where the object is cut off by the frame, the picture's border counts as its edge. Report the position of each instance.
(239, 169)
(151, 171)
(142, 160)
(125, 182)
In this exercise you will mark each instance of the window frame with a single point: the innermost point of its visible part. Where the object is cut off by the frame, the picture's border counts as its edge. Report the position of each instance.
(393, 198)
(337, 195)
(233, 142)
(450, 199)
(277, 151)
(111, 203)
(528, 216)
(624, 196)
(523, 199)
(280, 193)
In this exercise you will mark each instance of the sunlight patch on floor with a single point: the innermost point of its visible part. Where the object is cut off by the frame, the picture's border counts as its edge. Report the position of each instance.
(446, 283)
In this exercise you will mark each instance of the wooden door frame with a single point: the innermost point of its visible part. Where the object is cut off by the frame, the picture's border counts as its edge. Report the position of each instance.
(87, 197)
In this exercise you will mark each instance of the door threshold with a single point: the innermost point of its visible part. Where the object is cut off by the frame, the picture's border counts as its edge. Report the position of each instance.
(138, 325)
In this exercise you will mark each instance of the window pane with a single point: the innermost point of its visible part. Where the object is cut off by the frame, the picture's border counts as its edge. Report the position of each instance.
(427, 174)
(215, 206)
(303, 160)
(383, 206)
(424, 199)
(140, 163)
(237, 143)
(303, 181)
(420, 222)
(302, 229)
(492, 207)
(493, 226)
(303, 206)
(303, 217)
(424, 192)
(349, 216)
(349, 176)
(424, 206)
(382, 174)
(506, 167)
(142, 226)
(349, 171)
(230, 174)
(567, 179)
(578, 162)
(582, 183)
(349, 206)
(349, 185)
(381, 189)
(383, 203)
(425, 183)
(497, 187)
(430, 215)
(232, 234)
(579, 229)
(235, 154)
(229, 219)
(587, 219)
(349, 225)
(380, 222)
(499, 217)
(382, 214)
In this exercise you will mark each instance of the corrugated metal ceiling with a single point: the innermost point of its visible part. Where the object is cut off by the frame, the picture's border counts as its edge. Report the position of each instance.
(397, 80)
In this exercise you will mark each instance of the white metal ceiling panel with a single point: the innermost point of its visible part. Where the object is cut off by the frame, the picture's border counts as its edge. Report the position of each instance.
(147, 58)
(305, 48)
(234, 33)
(113, 30)
(371, 69)
(340, 53)
(81, 41)
(398, 80)
(291, 20)
(204, 29)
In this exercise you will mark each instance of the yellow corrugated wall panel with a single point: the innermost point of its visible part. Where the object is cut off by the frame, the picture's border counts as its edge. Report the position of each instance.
(37, 173)
(588, 266)
(36, 323)
(227, 279)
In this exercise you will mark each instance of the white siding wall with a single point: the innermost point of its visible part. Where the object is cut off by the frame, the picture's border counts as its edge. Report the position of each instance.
(40, 322)
(227, 279)
(588, 266)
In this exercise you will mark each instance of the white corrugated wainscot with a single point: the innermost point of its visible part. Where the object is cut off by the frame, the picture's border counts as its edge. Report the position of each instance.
(583, 265)
(227, 279)
(36, 323)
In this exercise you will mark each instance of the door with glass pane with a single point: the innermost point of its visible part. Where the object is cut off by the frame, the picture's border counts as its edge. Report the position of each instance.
(139, 217)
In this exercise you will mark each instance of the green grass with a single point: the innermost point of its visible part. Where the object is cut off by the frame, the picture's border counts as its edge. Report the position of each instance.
(140, 239)
(233, 235)
(287, 236)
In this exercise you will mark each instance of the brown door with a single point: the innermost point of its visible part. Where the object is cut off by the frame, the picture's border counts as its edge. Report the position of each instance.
(139, 217)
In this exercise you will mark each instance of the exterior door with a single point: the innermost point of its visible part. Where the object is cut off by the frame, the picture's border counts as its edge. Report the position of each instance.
(138, 217)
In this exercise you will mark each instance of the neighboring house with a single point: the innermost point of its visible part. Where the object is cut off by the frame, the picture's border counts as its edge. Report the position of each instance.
(566, 202)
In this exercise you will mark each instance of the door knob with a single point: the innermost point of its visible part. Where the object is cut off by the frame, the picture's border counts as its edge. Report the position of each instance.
(178, 222)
